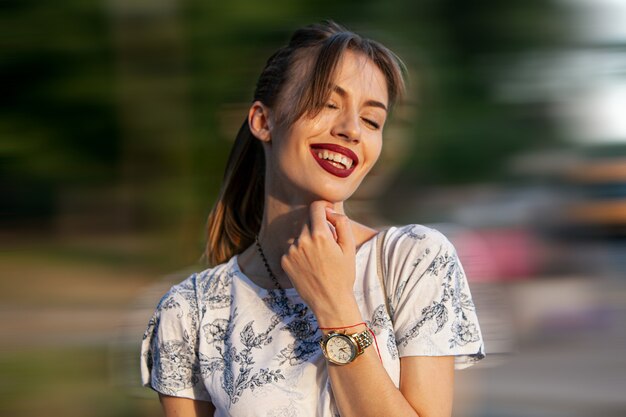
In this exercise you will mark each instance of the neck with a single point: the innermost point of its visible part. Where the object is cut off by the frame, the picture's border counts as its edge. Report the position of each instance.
(282, 224)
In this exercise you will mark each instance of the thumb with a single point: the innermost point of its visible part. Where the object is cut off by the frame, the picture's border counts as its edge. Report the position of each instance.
(343, 230)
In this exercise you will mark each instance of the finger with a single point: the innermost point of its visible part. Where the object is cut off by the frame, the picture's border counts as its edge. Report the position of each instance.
(341, 222)
(317, 215)
(303, 237)
(332, 229)
(305, 233)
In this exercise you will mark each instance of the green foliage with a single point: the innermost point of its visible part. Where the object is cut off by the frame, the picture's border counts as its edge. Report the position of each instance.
(149, 94)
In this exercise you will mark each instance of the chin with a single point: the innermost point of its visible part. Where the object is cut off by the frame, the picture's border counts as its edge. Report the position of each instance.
(334, 196)
(308, 191)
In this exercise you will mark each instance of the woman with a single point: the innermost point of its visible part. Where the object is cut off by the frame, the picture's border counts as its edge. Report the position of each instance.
(295, 319)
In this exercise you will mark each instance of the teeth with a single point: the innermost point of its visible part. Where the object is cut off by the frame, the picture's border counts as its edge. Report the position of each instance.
(336, 158)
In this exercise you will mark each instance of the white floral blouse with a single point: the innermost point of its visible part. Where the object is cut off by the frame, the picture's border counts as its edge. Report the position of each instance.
(254, 352)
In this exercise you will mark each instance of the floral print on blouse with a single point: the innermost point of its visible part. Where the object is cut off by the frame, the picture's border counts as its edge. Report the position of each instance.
(251, 351)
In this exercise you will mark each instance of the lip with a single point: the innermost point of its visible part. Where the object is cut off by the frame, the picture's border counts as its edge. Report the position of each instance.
(327, 166)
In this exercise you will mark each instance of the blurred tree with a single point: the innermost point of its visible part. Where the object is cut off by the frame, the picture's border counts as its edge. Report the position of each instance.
(465, 133)
(58, 115)
(135, 105)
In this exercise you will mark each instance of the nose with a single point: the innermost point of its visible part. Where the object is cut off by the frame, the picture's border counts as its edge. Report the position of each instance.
(347, 127)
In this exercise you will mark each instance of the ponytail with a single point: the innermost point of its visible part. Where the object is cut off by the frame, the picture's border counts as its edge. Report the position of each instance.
(236, 217)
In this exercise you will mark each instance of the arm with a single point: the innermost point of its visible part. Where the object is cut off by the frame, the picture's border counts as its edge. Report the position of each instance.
(427, 382)
(185, 407)
(363, 388)
(323, 270)
(169, 360)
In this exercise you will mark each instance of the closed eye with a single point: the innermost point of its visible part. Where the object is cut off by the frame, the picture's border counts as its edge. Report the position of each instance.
(371, 123)
(332, 106)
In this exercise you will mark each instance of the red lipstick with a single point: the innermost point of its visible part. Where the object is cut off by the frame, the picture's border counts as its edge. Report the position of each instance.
(328, 165)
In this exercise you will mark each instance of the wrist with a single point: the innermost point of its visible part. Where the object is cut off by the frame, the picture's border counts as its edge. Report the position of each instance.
(342, 348)
(345, 329)
(343, 316)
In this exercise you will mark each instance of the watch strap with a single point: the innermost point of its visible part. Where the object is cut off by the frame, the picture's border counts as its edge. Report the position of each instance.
(363, 340)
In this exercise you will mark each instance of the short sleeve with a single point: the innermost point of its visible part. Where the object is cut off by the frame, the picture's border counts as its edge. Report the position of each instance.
(432, 308)
(169, 350)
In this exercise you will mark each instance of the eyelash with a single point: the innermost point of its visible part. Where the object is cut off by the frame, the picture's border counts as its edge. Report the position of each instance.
(368, 121)
(372, 123)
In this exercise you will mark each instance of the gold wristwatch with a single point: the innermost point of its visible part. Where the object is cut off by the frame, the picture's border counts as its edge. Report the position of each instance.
(342, 349)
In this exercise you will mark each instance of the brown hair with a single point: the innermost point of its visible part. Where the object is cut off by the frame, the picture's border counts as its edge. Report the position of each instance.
(302, 72)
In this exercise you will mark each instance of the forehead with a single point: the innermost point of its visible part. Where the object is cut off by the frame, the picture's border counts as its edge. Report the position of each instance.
(355, 73)
(359, 76)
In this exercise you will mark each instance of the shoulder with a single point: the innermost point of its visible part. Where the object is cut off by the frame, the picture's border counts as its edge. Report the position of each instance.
(431, 303)
(415, 239)
(178, 312)
(209, 285)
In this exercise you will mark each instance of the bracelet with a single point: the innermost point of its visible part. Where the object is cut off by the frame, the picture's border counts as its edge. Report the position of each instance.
(343, 327)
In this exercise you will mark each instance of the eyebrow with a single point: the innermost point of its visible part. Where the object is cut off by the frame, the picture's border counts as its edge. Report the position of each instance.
(372, 103)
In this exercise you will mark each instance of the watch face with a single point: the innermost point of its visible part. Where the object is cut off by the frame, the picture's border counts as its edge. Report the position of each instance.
(340, 349)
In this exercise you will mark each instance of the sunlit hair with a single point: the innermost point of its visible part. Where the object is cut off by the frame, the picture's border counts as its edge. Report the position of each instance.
(301, 72)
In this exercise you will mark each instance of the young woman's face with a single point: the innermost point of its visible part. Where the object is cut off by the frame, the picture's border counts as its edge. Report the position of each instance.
(327, 156)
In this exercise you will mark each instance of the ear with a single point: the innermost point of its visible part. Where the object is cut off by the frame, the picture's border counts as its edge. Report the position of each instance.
(259, 121)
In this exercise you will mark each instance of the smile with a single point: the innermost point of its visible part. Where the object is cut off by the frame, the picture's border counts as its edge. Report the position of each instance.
(335, 159)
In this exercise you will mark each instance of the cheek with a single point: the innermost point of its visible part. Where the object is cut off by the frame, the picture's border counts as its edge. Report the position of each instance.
(317, 125)
(374, 150)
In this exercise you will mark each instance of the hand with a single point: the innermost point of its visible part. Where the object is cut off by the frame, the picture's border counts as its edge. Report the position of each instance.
(322, 266)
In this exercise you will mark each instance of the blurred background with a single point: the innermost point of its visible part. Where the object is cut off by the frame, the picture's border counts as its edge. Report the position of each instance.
(117, 118)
